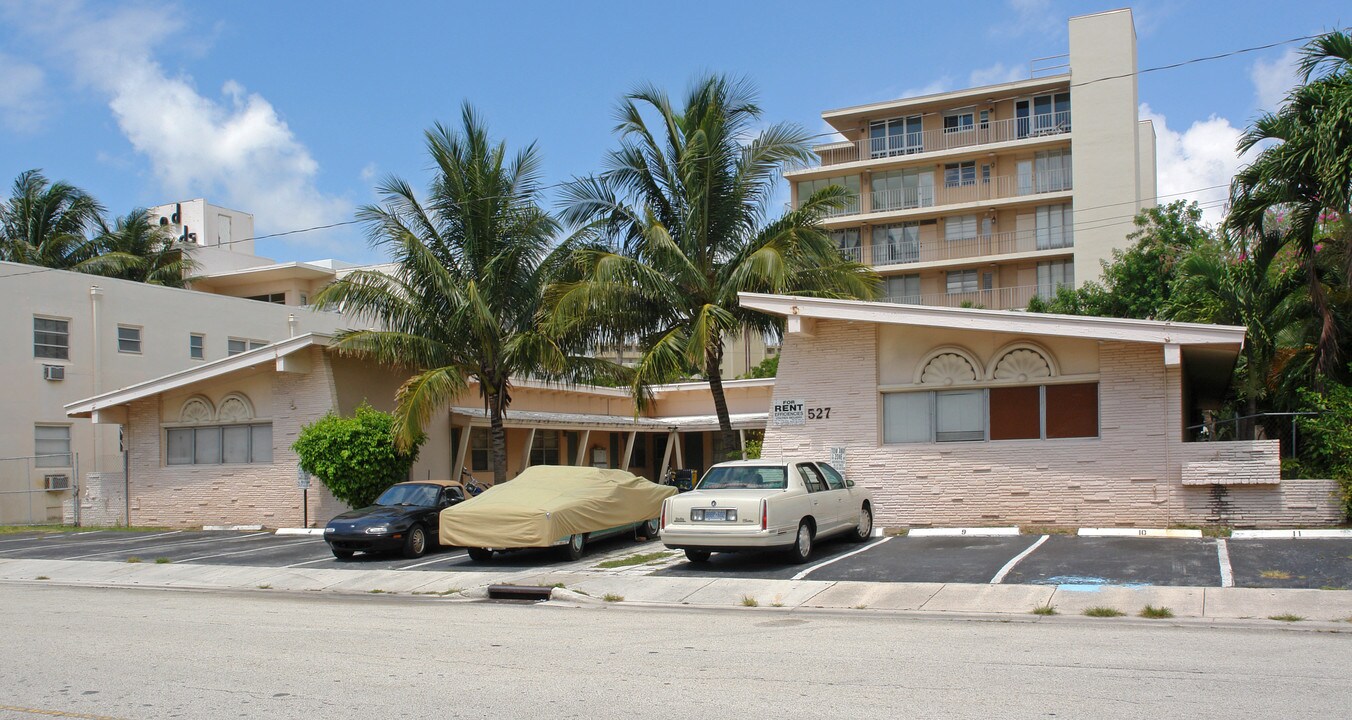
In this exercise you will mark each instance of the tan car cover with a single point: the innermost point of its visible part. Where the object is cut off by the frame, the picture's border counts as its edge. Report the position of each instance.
(548, 502)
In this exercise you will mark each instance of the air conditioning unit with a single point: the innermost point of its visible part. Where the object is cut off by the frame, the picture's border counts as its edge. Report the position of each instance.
(53, 372)
(56, 483)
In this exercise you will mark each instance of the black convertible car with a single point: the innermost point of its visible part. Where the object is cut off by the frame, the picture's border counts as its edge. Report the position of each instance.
(404, 518)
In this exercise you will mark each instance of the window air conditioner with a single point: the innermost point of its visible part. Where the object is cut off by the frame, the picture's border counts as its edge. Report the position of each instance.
(53, 372)
(56, 483)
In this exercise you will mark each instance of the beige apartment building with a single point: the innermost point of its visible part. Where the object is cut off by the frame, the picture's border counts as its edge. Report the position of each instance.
(987, 196)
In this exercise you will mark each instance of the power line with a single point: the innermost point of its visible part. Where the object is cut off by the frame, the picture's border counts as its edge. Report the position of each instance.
(1193, 61)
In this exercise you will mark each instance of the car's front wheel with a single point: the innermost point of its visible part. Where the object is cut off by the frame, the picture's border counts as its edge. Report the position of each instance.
(802, 544)
(415, 542)
(864, 528)
(342, 554)
(480, 554)
(576, 547)
(698, 556)
(650, 530)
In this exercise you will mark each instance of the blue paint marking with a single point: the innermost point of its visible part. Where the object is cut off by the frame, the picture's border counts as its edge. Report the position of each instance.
(1082, 583)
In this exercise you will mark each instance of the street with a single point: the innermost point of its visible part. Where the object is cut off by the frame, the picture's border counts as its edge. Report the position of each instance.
(157, 654)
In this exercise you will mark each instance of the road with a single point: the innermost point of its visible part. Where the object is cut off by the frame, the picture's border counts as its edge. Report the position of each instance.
(163, 654)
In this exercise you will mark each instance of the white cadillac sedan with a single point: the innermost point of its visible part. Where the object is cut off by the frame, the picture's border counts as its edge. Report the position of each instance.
(763, 505)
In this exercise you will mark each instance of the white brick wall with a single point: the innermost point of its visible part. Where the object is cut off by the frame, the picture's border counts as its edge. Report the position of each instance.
(1130, 475)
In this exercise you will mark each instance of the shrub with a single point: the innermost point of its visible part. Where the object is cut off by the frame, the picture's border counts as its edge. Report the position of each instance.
(354, 457)
(1326, 441)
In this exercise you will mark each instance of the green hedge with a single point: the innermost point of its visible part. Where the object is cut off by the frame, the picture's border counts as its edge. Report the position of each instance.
(354, 457)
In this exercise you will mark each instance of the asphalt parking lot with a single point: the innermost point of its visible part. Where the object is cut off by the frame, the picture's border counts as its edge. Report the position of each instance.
(1061, 560)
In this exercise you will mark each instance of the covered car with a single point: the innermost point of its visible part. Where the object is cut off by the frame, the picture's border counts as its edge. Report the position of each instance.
(552, 505)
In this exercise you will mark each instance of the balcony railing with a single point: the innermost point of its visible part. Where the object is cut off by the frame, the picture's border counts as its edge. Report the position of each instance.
(995, 131)
(967, 191)
(1005, 298)
(901, 251)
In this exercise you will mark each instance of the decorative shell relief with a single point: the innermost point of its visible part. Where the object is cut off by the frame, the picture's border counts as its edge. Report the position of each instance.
(948, 369)
(195, 410)
(234, 409)
(1022, 366)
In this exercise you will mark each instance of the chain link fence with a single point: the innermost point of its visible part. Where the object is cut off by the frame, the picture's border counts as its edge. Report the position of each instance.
(39, 490)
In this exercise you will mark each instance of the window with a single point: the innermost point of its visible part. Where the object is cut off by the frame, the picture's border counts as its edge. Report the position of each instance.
(479, 459)
(812, 479)
(903, 289)
(960, 227)
(902, 189)
(545, 450)
(1043, 114)
(833, 477)
(848, 243)
(1054, 274)
(896, 244)
(197, 346)
(957, 122)
(51, 446)
(223, 229)
(1054, 227)
(51, 338)
(807, 188)
(304, 299)
(897, 136)
(219, 444)
(960, 174)
(128, 339)
(1051, 170)
(985, 119)
(1045, 412)
(275, 298)
(235, 346)
(961, 281)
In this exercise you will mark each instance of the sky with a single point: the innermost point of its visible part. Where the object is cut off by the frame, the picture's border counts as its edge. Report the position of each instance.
(295, 111)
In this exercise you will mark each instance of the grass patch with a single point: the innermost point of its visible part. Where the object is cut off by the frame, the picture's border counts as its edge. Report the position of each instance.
(748, 601)
(378, 591)
(1100, 611)
(860, 606)
(264, 587)
(1276, 574)
(443, 593)
(1043, 610)
(1329, 587)
(1211, 531)
(162, 561)
(780, 604)
(1156, 613)
(1286, 617)
(560, 586)
(42, 577)
(896, 532)
(582, 592)
(638, 559)
(16, 529)
(133, 559)
(1047, 530)
(612, 597)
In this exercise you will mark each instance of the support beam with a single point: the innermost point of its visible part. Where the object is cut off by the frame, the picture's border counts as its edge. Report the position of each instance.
(799, 325)
(582, 449)
(525, 449)
(741, 435)
(461, 452)
(115, 415)
(628, 450)
(666, 457)
(680, 456)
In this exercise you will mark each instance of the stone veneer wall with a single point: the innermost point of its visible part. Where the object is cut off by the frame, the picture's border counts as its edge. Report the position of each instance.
(244, 494)
(1130, 475)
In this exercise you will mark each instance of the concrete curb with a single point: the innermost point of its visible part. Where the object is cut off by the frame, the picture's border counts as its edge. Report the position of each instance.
(1292, 534)
(1139, 532)
(964, 532)
(231, 528)
(299, 531)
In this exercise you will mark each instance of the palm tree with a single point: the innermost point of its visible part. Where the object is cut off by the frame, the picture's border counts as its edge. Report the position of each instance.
(47, 223)
(1305, 169)
(676, 226)
(465, 293)
(135, 248)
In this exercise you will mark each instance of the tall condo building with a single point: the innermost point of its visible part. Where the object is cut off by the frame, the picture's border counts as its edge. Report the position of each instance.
(990, 195)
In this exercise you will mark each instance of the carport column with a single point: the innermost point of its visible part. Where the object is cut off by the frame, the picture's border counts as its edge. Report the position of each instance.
(666, 457)
(460, 452)
(582, 448)
(525, 450)
(741, 435)
(676, 440)
(628, 450)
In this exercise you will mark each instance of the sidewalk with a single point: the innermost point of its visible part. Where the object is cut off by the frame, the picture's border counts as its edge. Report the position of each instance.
(1315, 606)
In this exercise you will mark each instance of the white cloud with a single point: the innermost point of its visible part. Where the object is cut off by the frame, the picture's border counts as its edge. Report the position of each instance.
(1273, 79)
(943, 84)
(233, 148)
(996, 74)
(1031, 16)
(1203, 156)
(22, 105)
(368, 172)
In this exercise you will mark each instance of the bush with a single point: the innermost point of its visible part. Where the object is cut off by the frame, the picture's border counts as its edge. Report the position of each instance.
(1326, 440)
(354, 457)
(766, 368)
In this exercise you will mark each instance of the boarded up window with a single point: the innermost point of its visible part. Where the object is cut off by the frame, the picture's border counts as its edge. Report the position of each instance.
(1072, 410)
(1015, 414)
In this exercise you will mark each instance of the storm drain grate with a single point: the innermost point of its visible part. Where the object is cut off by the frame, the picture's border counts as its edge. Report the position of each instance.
(519, 592)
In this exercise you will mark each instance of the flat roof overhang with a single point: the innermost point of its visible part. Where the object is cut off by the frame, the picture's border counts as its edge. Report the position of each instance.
(617, 423)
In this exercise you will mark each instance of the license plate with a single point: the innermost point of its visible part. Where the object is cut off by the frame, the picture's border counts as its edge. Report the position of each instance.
(718, 515)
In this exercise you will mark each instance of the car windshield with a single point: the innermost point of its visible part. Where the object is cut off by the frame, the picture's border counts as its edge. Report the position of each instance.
(745, 477)
(419, 495)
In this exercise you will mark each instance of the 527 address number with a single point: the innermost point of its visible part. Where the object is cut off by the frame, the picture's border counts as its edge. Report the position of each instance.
(819, 413)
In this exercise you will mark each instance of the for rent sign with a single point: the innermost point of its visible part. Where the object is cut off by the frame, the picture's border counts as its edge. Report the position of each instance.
(789, 412)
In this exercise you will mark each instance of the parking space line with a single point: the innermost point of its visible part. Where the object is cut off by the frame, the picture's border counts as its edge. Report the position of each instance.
(112, 541)
(243, 552)
(434, 561)
(1223, 556)
(254, 536)
(328, 558)
(820, 565)
(1000, 576)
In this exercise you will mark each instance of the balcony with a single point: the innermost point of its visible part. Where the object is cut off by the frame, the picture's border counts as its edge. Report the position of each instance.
(970, 191)
(996, 131)
(904, 251)
(1005, 298)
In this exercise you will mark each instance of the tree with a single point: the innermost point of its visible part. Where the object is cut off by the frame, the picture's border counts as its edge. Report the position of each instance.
(135, 248)
(1304, 169)
(463, 298)
(767, 368)
(355, 457)
(47, 223)
(675, 227)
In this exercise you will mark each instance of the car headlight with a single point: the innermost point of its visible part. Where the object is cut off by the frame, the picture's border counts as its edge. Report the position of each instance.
(377, 530)
(330, 529)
